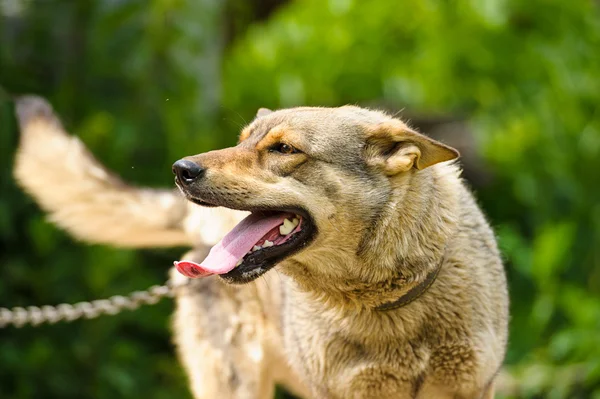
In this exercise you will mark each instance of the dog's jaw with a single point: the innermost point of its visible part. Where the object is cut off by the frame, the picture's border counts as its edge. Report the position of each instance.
(258, 263)
(262, 258)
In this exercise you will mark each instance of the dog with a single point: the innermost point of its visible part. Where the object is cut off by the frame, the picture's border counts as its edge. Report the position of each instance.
(335, 251)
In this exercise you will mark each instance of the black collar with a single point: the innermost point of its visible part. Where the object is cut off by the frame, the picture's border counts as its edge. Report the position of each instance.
(413, 293)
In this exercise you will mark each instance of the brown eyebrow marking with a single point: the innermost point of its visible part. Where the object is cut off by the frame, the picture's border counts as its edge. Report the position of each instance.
(245, 134)
(274, 136)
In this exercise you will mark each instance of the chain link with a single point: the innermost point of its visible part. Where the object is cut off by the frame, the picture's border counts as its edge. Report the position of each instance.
(34, 315)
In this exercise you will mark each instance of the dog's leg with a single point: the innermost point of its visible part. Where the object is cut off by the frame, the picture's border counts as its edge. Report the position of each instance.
(219, 336)
(95, 205)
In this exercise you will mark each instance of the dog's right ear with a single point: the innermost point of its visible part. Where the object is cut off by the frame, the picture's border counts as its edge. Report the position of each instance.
(263, 112)
(394, 147)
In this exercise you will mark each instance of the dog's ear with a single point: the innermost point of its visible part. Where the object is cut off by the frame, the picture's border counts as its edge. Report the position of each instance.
(263, 112)
(394, 147)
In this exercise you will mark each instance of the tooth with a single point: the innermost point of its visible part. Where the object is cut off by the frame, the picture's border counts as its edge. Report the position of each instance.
(256, 248)
(267, 244)
(239, 262)
(295, 222)
(286, 228)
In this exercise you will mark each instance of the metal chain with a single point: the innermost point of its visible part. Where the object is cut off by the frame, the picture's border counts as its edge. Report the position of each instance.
(34, 315)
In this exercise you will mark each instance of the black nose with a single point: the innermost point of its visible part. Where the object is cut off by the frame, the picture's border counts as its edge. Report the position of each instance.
(187, 171)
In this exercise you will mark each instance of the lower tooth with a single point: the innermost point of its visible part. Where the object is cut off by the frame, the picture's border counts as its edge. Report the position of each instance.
(267, 244)
(256, 248)
(239, 262)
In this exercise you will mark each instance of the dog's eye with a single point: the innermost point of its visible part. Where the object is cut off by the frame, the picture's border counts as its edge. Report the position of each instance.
(284, 149)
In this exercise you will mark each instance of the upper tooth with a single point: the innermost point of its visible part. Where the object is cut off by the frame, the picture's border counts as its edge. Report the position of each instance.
(267, 244)
(286, 228)
(256, 248)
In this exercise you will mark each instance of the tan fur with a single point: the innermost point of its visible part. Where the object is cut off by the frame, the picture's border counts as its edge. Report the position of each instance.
(413, 148)
(388, 210)
(275, 135)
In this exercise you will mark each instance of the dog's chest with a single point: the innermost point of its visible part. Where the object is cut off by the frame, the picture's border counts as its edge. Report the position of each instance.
(335, 365)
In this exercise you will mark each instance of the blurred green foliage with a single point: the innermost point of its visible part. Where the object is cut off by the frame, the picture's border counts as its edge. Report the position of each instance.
(143, 82)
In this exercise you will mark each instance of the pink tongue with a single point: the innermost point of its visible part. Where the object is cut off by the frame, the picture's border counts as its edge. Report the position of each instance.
(223, 257)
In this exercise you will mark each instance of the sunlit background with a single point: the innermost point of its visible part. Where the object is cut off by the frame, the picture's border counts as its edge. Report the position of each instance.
(515, 85)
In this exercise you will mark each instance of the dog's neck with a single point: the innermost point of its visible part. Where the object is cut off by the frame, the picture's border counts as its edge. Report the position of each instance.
(399, 256)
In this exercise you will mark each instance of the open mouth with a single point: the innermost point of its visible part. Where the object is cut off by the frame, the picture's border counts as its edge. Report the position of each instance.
(254, 246)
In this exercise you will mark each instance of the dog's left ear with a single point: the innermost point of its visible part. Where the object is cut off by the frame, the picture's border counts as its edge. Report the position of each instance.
(263, 112)
(395, 148)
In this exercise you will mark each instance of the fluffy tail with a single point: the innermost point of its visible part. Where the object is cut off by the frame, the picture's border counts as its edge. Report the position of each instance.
(92, 203)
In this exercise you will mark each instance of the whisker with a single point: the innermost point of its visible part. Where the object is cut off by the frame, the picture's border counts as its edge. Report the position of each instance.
(266, 282)
(238, 114)
(334, 226)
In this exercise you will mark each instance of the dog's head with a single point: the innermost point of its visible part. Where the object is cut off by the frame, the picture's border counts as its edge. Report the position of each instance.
(314, 179)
